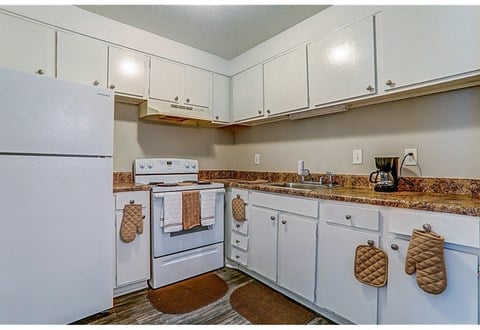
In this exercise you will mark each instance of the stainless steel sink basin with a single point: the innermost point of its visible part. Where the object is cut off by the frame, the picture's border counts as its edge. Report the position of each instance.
(298, 185)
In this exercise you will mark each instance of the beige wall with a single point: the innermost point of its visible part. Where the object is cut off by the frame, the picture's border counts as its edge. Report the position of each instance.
(444, 127)
(136, 139)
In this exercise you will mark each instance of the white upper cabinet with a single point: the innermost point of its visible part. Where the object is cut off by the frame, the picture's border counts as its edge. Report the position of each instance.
(166, 81)
(342, 64)
(198, 87)
(81, 59)
(127, 72)
(27, 46)
(285, 82)
(247, 94)
(177, 83)
(221, 98)
(425, 43)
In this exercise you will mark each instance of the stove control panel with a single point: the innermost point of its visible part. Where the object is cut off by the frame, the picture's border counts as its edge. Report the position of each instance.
(165, 166)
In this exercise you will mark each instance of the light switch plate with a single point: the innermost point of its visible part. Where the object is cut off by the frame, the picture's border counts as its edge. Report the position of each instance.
(357, 157)
(256, 160)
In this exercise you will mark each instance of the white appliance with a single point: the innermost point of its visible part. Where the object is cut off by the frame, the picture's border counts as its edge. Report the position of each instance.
(185, 253)
(56, 205)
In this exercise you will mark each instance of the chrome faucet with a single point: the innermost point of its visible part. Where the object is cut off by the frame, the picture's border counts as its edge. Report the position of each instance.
(330, 178)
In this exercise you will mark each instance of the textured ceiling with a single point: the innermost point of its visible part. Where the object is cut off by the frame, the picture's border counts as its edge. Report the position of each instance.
(225, 31)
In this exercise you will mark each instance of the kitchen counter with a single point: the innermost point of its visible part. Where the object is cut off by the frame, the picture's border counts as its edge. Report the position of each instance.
(129, 186)
(437, 202)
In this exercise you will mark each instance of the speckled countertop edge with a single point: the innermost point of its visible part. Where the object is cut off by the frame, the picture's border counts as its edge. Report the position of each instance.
(437, 202)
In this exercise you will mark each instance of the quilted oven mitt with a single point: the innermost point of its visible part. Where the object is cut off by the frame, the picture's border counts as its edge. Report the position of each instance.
(238, 208)
(132, 222)
(425, 256)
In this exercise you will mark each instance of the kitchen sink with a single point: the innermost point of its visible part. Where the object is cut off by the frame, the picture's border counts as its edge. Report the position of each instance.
(299, 185)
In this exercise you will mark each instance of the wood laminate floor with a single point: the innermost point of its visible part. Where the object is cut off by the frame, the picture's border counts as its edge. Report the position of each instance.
(135, 308)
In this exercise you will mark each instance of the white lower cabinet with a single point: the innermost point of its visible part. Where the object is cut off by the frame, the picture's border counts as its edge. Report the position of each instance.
(343, 227)
(133, 258)
(282, 245)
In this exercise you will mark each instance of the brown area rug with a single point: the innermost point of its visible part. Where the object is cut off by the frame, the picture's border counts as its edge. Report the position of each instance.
(188, 295)
(261, 305)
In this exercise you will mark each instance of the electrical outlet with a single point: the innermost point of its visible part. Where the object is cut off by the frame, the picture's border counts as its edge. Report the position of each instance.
(357, 157)
(411, 160)
(256, 161)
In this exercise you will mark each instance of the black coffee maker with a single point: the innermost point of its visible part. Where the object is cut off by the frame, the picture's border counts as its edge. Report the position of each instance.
(386, 175)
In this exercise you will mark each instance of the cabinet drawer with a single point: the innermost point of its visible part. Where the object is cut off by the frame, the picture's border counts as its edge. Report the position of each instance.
(240, 226)
(138, 197)
(301, 206)
(243, 194)
(456, 229)
(239, 256)
(352, 216)
(239, 241)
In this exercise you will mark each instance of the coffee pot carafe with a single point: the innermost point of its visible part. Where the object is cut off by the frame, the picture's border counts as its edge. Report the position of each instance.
(386, 175)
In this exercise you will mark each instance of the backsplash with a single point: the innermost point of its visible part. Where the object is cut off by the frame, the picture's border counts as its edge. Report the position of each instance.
(427, 185)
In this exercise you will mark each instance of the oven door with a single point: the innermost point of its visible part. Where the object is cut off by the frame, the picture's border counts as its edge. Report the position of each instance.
(167, 243)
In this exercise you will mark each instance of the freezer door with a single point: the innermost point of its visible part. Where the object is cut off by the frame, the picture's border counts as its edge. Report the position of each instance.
(57, 246)
(44, 115)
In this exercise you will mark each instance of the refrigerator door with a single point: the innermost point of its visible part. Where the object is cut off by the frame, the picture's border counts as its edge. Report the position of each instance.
(57, 246)
(43, 115)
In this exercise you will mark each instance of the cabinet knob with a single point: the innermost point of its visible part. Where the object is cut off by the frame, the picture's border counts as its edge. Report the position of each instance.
(272, 217)
(370, 242)
(143, 217)
(216, 117)
(112, 86)
(284, 221)
(394, 247)
(188, 100)
(268, 111)
(259, 112)
(237, 241)
(370, 88)
(96, 83)
(176, 98)
(237, 256)
(389, 83)
(348, 216)
(237, 225)
(39, 71)
(132, 201)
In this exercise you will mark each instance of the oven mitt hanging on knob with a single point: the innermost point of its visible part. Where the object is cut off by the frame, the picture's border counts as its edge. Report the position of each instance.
(132, 222)
(425, 256)
(238, 208)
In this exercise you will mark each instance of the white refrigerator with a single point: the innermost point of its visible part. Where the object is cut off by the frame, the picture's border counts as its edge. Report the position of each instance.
(56, 204)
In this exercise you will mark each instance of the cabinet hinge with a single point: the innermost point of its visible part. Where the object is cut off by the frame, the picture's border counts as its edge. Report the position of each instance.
(478, 270)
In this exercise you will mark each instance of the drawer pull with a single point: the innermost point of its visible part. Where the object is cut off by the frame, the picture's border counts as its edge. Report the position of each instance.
(237, 256)
(348, 217)
(237, 225)
(370, 242)
(427, 227)
(132, 201)
(284, 221)
(143, 217)
(394, 247)
(237, 241)
(238, 196)
(272, 217)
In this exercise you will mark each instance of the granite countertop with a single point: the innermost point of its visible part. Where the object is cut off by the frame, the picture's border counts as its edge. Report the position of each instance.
(438, 202)
(129, 186)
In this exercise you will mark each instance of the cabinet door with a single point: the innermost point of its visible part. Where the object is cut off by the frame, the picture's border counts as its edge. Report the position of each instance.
(286, 82)
(27, 46)
(127, 71)
(133, 258)
(406, 303)
(198, 87)
(166, 81)
(337, 288)
(424, 43)
(342, 64)
(262, 256)
(81, 59)
(221, 98)
(296, 255)
(247, 94)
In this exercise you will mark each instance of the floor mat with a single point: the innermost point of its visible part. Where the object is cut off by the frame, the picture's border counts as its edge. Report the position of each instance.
(188, 295)
(261, 305)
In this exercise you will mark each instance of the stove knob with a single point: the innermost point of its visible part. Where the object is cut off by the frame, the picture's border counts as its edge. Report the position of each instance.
(142, 165)
(194, 165)
(150, 165)
(187, 165)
